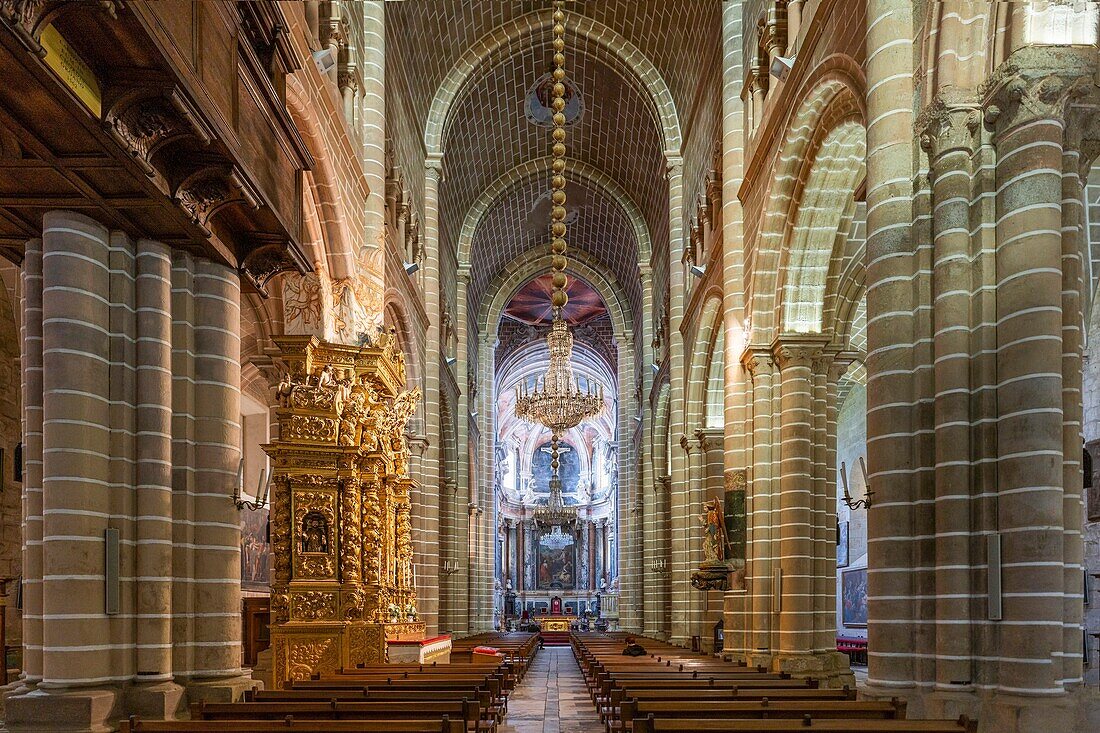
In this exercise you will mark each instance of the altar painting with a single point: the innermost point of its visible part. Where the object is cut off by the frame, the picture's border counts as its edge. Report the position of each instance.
(556, 565)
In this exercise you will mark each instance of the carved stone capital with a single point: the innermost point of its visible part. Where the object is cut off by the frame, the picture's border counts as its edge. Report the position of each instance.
(945, 127)
(348, 79)
(800, 351)
(1038, 83)
(674, 165)
(758, 362)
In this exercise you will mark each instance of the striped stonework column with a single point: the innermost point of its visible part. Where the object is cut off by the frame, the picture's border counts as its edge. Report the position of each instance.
(460, 601)
(372, 128)
(185, 481)
(762, 540)
(738, 428)
(153, 438)
(892, 328)
(31, 361)
(948, 136)
(682, 520)
(795, 357)
(664, 552)
(1074, 289)
(78, 502)
(215, 527)
(646, 479)
(426, 512)
(485, 519)
(629, 496)
(1029, 109)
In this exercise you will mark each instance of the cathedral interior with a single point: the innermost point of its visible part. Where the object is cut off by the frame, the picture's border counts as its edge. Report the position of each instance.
(614, 357)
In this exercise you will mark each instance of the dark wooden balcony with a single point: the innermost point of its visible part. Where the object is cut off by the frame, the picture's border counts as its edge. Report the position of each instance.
(165, 119)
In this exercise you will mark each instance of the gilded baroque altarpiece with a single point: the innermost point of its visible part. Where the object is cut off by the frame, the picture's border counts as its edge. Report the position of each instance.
(340, 517)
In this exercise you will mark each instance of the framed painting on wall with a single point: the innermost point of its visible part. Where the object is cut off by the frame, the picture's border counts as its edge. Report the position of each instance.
(842, 544)
(853, 596)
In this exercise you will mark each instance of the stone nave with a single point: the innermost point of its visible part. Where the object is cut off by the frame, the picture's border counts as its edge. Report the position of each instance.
(341, 333)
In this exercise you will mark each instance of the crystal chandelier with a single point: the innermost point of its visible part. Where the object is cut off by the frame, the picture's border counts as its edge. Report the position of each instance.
(556, 401)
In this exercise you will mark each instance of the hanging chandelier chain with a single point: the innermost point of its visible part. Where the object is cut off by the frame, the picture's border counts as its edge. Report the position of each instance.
(556, 401)
(558, 227)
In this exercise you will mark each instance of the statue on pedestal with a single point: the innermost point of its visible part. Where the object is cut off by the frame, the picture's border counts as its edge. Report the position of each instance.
(713, 573)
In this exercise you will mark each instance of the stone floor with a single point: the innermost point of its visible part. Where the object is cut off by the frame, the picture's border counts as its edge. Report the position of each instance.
(552, 698)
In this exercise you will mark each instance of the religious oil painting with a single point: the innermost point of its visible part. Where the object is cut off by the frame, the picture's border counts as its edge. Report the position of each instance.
(557, 566)
(255, 551)
(854, 597)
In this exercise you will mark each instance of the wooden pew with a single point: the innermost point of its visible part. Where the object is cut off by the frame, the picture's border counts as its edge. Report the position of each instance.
(292, 725)
(465, 709)
(652, 724)
(763, 708)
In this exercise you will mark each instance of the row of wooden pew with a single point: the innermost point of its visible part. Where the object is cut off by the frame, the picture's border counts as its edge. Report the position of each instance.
(673, 690)
(468, 696)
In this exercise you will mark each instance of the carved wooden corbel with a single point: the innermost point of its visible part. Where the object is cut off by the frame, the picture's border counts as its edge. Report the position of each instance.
(270, 256)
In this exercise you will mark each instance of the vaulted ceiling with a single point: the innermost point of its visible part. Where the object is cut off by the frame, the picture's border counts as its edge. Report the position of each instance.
(619, 139)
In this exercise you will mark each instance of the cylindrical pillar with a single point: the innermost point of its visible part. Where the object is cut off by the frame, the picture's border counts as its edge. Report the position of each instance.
(795, 498)
(950, 145)
(794, 24)
(216, 527)
(427, 511)
(153, 438)
(892, 314)
(1029, 396)
(761, 503)
(371, 110)
(31, 361)
(76, 449)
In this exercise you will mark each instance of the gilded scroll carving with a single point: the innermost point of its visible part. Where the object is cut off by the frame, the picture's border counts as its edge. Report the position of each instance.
(309, 657)
(314, 606)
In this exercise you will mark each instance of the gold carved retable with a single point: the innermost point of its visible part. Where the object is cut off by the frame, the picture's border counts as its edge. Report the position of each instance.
(340, 516)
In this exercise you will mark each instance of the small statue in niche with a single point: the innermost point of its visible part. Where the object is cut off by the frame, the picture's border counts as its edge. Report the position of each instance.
(326, 378)
(714, 533)
(314, 533)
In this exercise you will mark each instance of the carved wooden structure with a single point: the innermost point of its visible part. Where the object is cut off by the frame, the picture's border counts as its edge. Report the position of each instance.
(168, 122)
(340, 528)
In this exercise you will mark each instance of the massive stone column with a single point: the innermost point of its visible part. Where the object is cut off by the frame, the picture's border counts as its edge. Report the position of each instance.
(77, 496)
(756, 638)
(31, 362)
(892, 315)
(630, 499)
(738, 389)
(681, 519)
(483, 509)
(371, 111)
(427, 508)
(153, 473)
(794, 358)
(463, 497)
(950, 141)
(215, 529)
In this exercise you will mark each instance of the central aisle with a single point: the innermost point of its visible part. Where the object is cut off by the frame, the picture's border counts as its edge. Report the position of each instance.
(552, 698)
